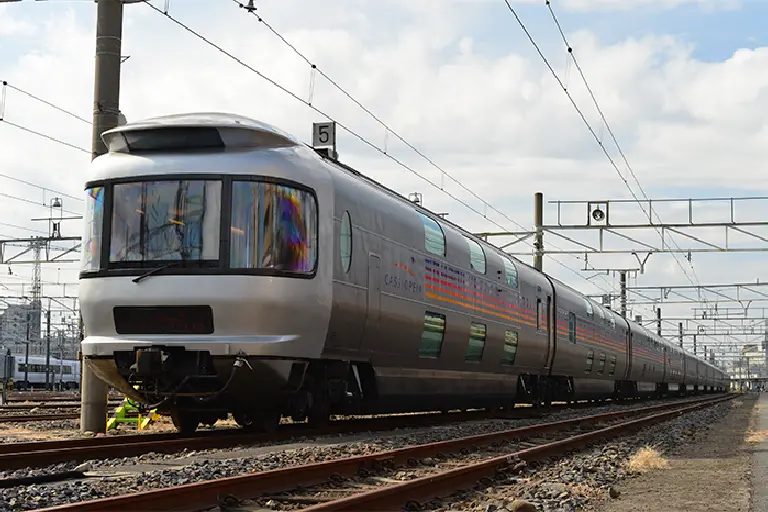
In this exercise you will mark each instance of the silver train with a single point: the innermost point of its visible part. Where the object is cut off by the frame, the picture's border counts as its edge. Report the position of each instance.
(29, 372)
(229, 268)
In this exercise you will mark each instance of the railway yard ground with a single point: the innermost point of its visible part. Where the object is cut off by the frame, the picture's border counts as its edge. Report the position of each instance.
(706, 457)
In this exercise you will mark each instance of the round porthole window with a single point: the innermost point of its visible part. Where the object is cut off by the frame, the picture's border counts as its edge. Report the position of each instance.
(345, 244)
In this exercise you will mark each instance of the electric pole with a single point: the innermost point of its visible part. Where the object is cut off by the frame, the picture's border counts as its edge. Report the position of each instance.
(106, 109)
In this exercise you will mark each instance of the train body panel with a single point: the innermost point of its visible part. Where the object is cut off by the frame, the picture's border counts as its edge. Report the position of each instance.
(320, 290)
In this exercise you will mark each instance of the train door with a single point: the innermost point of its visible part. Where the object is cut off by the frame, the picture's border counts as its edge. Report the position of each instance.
(551, 331)
(373, 308)
(629, 342)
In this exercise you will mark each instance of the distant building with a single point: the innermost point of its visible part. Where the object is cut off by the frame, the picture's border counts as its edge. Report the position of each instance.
(13, 327)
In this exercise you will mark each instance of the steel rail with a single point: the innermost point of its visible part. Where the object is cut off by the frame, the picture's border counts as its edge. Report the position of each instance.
(205, 495)
(442, 484)
(23, 418)
(38, 454)
(49, 405)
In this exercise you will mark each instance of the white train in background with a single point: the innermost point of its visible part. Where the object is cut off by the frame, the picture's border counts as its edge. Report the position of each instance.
(30, 373)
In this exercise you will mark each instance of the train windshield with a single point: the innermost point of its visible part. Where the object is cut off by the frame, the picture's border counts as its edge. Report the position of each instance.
(272, 228)
(168, 220)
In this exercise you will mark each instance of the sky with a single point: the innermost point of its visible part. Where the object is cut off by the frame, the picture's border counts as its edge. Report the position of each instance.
(681, 83)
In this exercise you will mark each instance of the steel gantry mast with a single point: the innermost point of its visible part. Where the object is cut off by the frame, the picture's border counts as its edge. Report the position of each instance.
(615, 227)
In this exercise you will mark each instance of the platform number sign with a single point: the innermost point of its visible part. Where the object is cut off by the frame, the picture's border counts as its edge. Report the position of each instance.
(324, 135)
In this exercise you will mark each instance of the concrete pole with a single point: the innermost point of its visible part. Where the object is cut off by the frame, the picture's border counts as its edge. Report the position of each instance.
(623, 290)
(106, 108)
(538, 220)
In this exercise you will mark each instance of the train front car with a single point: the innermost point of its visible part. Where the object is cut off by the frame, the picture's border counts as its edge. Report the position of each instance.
(205, 285)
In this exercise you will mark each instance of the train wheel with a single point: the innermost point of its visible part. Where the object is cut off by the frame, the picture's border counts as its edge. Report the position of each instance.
(184, 421)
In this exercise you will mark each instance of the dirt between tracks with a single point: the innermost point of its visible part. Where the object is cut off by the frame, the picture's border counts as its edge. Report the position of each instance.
(713, 473)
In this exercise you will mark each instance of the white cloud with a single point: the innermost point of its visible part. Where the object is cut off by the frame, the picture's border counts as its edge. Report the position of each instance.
(10, 26)
(500, 125)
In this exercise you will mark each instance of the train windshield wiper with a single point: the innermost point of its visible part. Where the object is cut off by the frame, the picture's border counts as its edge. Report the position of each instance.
(156, 270)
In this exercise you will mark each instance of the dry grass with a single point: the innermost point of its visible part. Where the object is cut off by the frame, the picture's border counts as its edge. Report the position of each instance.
(756, 436)
(646, 459)
(584, 491)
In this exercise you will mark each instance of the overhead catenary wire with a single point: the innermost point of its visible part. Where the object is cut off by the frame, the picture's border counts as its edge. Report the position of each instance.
(30, 201)
(3, 101)
(384, 125)
(315, 69)
(618, 147)
(583, 118)
(25, 182)
(388, 129)
(46, 102)
(43, 135)
(345, 127)
(702, 294)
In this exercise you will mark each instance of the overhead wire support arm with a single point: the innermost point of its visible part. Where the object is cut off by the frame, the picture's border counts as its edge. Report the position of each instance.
(598, 218)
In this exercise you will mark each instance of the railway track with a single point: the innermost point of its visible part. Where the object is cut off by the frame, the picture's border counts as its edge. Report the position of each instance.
(371, 482)
(44, 453)
(49, 405)
(23, 418)
(11, 416)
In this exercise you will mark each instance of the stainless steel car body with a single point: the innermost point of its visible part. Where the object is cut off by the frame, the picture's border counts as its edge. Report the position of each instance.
(404, 310)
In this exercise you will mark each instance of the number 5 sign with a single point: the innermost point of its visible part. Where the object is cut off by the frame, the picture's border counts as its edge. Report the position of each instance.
(324, 134)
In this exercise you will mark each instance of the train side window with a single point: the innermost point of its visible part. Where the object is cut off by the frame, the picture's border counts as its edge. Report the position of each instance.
(612, 366)
(590, 310)
(538, 315)
(345, 242)
(476, 256)
(476, 343)
(434, 238)
(510, 348)
(511, 271)
(432, 336)
(572, 327)
(94, 220)
(601, 364)
(590, 360)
